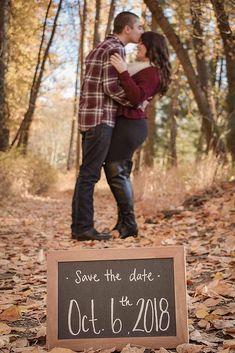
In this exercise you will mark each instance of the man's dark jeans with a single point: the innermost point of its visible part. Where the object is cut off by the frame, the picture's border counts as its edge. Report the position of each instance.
(95, 146)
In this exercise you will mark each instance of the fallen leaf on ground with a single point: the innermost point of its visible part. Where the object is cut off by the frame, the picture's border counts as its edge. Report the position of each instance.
(224, 350)
(203, 324)
(229, 344)
(163, 350)
(41, 332)
(129, 349)
(4, 340)
(4, 329)
(12, 313)
(110, 350)
(20, 343)
(212, 302)
(201, 314)
(189, 348)
(222, 324)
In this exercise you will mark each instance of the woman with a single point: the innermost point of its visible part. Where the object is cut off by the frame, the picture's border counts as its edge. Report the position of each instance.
(140, 81)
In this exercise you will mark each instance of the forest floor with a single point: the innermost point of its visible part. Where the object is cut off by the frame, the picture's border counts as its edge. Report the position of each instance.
(204, 224)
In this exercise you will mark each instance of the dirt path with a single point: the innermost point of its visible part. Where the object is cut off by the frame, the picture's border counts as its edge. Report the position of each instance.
(205, 225)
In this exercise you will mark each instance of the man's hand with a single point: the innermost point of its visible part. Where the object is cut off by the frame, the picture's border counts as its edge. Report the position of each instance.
(118, 62)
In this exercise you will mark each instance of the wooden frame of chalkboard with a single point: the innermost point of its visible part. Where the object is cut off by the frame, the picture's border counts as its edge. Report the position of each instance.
(111, 297)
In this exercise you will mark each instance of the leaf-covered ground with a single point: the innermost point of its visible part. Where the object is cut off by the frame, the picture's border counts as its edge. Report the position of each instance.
(205, 224)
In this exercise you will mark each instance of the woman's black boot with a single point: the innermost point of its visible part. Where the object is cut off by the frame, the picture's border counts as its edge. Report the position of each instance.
(118, 177)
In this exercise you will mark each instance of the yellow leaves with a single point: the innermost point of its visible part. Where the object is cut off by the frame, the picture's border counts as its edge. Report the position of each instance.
(211, 317)
(201, 314)
(12, 313)
(204, 314)
(218, 275)
(4, 329)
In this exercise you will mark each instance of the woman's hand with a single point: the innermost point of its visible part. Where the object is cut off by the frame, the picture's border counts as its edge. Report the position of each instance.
(118, 62)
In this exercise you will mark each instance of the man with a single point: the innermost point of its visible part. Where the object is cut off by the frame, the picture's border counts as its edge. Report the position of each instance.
(100, 95)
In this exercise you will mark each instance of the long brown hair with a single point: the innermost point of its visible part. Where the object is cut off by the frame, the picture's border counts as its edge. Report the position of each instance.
(158, 54)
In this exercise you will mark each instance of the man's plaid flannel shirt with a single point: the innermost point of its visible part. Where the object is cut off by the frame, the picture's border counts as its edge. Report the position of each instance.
(101, 90)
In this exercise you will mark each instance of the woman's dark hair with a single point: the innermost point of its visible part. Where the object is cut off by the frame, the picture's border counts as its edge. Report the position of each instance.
(158, 54)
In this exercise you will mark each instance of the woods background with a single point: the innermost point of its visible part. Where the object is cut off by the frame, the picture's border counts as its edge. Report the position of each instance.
(184, 178)
(43, 46)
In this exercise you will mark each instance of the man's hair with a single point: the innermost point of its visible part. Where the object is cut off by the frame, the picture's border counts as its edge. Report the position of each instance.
(123, 19)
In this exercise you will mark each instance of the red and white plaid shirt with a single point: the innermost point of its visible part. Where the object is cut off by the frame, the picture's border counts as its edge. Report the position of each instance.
(101, 91)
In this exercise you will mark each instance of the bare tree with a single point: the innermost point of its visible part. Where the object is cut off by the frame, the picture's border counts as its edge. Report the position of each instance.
(198, 43)
(4, 22)
(111, 15)
(173, 123)
(202, 65)
(96, 38)
(149, 150)
(22, 135)
(75, 106)
(229, 50)
(83, 20)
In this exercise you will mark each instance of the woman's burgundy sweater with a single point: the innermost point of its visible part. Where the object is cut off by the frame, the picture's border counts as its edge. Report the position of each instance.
(138, 88)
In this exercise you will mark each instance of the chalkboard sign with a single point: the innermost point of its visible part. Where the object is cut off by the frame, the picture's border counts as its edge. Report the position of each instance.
(111, 297)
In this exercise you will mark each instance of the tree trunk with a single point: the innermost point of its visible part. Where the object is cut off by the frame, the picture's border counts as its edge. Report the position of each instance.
(229, 50)
(4, 22)
(173, 124)
(22, 135)
(149, 151)
(137, 161)
(96, 38)
(149, 144)
(202, 67)
(111, 15)
(83, 19)
(200, 96)
(73, 124)
(198, 43)
(75, 110)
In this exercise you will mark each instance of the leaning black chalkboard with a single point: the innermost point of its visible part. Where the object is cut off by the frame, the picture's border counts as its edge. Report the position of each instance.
(112, 297)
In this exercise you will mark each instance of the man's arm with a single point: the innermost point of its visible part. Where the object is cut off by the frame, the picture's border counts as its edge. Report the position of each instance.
(111, 83)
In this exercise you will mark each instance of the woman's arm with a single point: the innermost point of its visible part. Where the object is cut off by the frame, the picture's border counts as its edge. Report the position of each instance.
(141, 88)
(111, 84)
